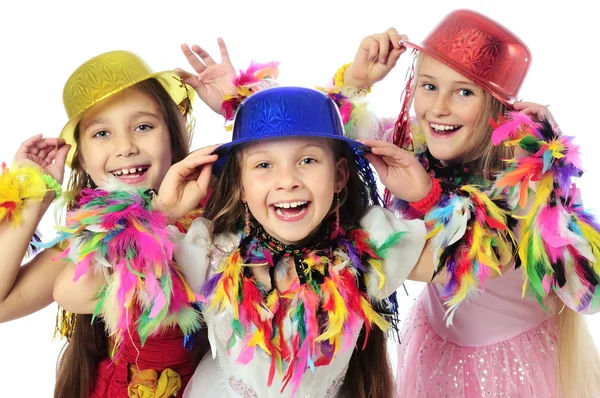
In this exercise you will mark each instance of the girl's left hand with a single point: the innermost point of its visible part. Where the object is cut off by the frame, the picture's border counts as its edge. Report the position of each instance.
(535, 111)
(399, 171)
(213, 81)
(186, 183)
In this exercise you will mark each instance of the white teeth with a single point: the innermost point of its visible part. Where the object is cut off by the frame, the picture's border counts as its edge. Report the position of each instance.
(131, 170)
(441, 127)
(288, 205)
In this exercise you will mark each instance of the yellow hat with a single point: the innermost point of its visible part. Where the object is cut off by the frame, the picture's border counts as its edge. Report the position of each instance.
(106, 75)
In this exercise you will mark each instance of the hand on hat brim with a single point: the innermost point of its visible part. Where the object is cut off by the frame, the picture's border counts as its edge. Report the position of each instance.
(375, 58)
(186, 183)
(399, 170)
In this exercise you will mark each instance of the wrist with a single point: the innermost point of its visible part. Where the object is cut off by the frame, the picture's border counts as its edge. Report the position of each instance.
(344, 80)
(160, 206)
(433, 197)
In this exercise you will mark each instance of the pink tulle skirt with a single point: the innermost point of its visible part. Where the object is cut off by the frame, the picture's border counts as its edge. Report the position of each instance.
(521, 367)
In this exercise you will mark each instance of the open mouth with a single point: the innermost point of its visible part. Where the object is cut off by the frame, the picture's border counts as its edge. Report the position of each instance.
(444, 129)
(130, 172)
(289, 210)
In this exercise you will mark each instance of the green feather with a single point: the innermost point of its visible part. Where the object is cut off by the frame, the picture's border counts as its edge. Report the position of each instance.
(390, 242)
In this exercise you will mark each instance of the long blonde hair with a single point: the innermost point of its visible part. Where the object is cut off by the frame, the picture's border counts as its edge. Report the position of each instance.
(577, 359)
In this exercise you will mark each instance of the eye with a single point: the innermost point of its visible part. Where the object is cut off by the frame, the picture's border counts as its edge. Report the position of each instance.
(143, 127)
(465, 93)
(101, 134)
(308, 161)
(263, 165)
(429, 87)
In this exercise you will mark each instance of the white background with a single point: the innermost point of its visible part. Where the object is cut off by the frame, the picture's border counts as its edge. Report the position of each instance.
(43, 42)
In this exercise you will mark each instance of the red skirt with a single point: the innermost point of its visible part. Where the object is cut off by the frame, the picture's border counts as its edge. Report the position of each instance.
(162, 358)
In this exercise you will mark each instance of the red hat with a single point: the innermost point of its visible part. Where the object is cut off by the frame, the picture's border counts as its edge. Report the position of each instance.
(478, 48)
(482, 50)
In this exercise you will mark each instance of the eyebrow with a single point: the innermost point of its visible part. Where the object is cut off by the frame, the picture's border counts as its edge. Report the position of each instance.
(455, 82)
(135, 115)
(304, 147)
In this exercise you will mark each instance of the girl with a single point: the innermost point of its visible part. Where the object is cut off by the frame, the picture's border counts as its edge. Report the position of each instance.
(127, 124)
(295, 264)
(482, 220)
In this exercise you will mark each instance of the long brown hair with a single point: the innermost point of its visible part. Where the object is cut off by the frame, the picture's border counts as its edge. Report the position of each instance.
(88, 344)
(369, 373)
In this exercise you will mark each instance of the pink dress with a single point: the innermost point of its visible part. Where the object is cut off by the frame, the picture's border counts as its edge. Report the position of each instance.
(498, 345)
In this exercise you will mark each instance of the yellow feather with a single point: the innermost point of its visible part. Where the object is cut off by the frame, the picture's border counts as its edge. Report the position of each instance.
(258, 340)
(377, 266)
(373, 316)
(18, 185)
(337, 317)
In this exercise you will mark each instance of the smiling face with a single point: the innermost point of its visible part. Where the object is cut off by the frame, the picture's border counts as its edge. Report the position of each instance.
(289, 185)
(448, 107)
(127, 137)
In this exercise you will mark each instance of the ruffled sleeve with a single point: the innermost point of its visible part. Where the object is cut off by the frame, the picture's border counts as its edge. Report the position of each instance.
(197, 256)
(399, 258)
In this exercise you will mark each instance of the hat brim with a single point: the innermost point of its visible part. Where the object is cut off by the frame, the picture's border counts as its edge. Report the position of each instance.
(170, 80)
(224, 150)
(484, 85)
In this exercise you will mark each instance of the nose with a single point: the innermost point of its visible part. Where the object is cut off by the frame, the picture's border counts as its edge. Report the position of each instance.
(287, 179)
(125, 145)
(441, 106)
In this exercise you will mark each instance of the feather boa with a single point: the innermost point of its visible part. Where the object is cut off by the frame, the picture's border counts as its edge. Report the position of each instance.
(330, 302)
(472, 239)
(117, 233)
(560, 242)
(256, 78)
(17, 186)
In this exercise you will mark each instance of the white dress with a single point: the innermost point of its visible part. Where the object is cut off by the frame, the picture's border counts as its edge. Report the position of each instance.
(220, 375)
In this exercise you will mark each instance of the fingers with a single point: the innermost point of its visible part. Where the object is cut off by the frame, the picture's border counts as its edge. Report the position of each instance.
(192, 58)
(395, 38)
(203, 179)
(383, 40)
(61, 155)
(203, 54)
(378, 163)
(192, 162)
(188, 78)
(371, 46)
(224, 53)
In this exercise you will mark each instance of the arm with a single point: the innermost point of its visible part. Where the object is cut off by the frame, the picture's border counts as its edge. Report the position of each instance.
(81, 296)
(28, 288)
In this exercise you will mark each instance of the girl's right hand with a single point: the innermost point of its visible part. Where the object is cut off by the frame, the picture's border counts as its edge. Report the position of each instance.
(376, 57)
(46, 154)
(186, 183)
(213, 81)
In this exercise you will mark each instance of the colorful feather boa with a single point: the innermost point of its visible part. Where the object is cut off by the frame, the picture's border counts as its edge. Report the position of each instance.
(17, 186)
(559, 241)
(117, 233)
(330, 300)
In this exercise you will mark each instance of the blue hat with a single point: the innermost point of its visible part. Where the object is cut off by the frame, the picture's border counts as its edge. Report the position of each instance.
(285, 112)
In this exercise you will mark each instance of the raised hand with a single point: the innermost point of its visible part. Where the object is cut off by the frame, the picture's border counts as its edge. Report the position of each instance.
(376, 57)
(212, 80)
(47, 154)
(186, 183)
(399, 171)
(535, 111)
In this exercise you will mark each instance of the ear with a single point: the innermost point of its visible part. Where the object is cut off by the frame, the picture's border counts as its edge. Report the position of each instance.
(341, 174)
